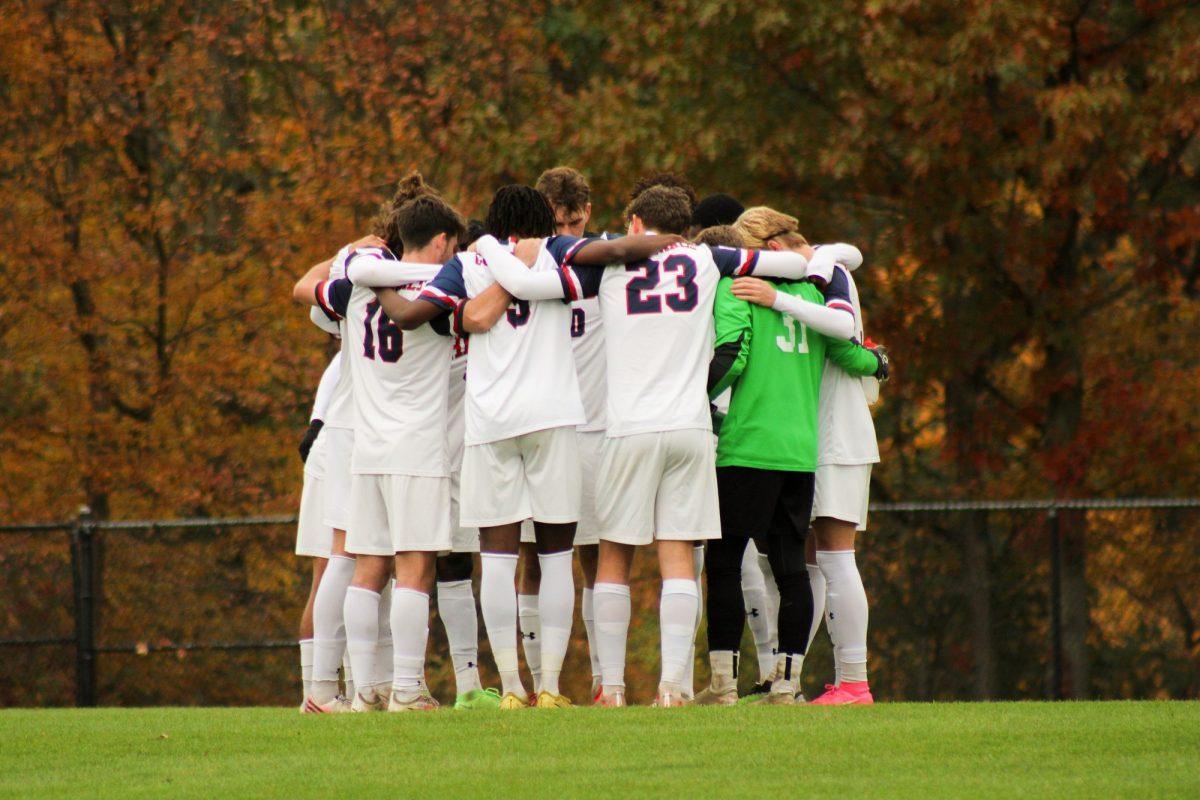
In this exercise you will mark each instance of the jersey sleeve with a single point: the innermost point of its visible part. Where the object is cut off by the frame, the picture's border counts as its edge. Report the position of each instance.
(732, 350)
(734, 261)
(447, 288)
(333, 296)
(580, 281)
(562, 248)
(837, 291)
(852, 357)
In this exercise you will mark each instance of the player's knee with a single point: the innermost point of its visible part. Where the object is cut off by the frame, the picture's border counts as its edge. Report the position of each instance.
(786, 556)
(455, 567)
(723, 561)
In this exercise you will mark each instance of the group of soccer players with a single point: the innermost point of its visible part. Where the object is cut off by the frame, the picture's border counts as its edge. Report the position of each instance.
(524, 390)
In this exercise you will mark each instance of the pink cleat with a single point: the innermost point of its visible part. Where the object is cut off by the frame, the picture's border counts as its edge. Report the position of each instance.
(848, 693)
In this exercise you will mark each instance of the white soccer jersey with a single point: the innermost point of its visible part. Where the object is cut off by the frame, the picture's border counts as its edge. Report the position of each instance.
(340, 412)
(587, 342)
(400, 382)
(659, 334)
(522, 374)
(846, 432)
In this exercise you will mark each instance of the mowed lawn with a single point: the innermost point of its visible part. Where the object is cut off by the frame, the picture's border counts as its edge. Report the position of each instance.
(1143, 750)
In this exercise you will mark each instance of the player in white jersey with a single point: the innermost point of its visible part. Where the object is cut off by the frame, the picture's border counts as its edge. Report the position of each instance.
(400, 494)
(521, 458)
(313, 536)
(657, 478)
(329, 636)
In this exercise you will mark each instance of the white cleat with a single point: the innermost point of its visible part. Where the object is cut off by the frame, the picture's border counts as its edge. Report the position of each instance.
(363, 705)
(338, 705)
(670, 696)
(412, 701)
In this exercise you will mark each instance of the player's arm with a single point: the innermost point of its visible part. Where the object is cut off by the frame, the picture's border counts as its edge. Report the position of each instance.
(858, 360)
(519, 281)
(441, 296)
(732, 350)
(834, 322)
(480, 313)
(826, 257)
(302, 291)
(625, 250)
(407, 314)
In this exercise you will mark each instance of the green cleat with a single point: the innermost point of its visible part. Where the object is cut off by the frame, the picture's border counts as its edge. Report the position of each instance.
(476, 699)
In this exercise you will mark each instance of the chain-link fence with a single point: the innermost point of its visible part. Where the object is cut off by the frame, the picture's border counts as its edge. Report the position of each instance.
(969, 600)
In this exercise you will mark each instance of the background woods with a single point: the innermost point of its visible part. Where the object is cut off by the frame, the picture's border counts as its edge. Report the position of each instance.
(1022, 177)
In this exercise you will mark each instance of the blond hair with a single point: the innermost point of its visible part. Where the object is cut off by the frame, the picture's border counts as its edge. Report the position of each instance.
(760, 224)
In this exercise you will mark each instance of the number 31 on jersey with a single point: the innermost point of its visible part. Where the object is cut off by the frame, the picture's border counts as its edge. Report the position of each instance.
(788, 343)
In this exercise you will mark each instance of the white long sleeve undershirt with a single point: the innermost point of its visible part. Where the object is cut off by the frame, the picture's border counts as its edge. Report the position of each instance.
(833, 322)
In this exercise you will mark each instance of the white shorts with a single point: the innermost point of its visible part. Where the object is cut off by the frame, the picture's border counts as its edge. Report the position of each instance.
(462, 540)
(532, 476)
(591, 445)
(339, 448)
(313, 537)
(842, 492)
(658, 486)
(398, 513)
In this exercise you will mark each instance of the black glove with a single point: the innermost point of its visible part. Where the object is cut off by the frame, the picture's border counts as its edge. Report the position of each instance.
(310, 436)
(885, 368)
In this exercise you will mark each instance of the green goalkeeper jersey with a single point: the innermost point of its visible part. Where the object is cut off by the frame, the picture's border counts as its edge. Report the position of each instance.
(776, 381)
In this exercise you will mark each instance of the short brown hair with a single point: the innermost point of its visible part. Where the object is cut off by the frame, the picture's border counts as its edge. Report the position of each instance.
(420, 220)
(661, 208)
(565, 187)
(720, 236)
(410, 187)
(673, 179)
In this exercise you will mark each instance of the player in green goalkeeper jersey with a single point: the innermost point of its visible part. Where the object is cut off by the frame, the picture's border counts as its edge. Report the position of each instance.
(771, 352)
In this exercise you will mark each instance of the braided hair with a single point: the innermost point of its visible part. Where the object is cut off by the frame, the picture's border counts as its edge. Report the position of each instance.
(520, 211)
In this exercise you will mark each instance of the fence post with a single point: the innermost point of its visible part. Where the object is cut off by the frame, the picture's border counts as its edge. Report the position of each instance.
(83, 569)
(1056, 611)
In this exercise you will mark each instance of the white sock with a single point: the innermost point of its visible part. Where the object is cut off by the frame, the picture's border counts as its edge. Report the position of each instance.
(816, 579)
(588, 612)
(688, 685)
(381, 665)
(329, 630)
(362, 634)
(410, 635)
(456, 607)
(347, 674)
(531, 636)
(846, 612)
(498, 597)
(306, 659)
(556, 612)
(764, 566)
(677, 626)
(754, 595)
(613, 610)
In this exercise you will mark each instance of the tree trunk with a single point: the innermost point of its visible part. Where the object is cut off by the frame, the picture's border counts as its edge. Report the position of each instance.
(978, 590)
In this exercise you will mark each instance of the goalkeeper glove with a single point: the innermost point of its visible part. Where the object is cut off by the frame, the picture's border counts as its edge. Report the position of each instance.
(885, 363)
(310, 436)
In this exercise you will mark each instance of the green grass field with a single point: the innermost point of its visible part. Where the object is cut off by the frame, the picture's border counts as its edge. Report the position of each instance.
(1023, 750)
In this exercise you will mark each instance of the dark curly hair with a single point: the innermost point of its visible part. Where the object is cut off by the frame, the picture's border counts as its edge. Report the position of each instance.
(520, 211)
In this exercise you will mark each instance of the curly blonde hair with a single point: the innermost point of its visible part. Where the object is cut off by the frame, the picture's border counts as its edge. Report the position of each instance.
(760, 224)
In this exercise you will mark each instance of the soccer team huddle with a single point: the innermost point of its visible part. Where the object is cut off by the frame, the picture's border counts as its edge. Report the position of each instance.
(529, 391)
